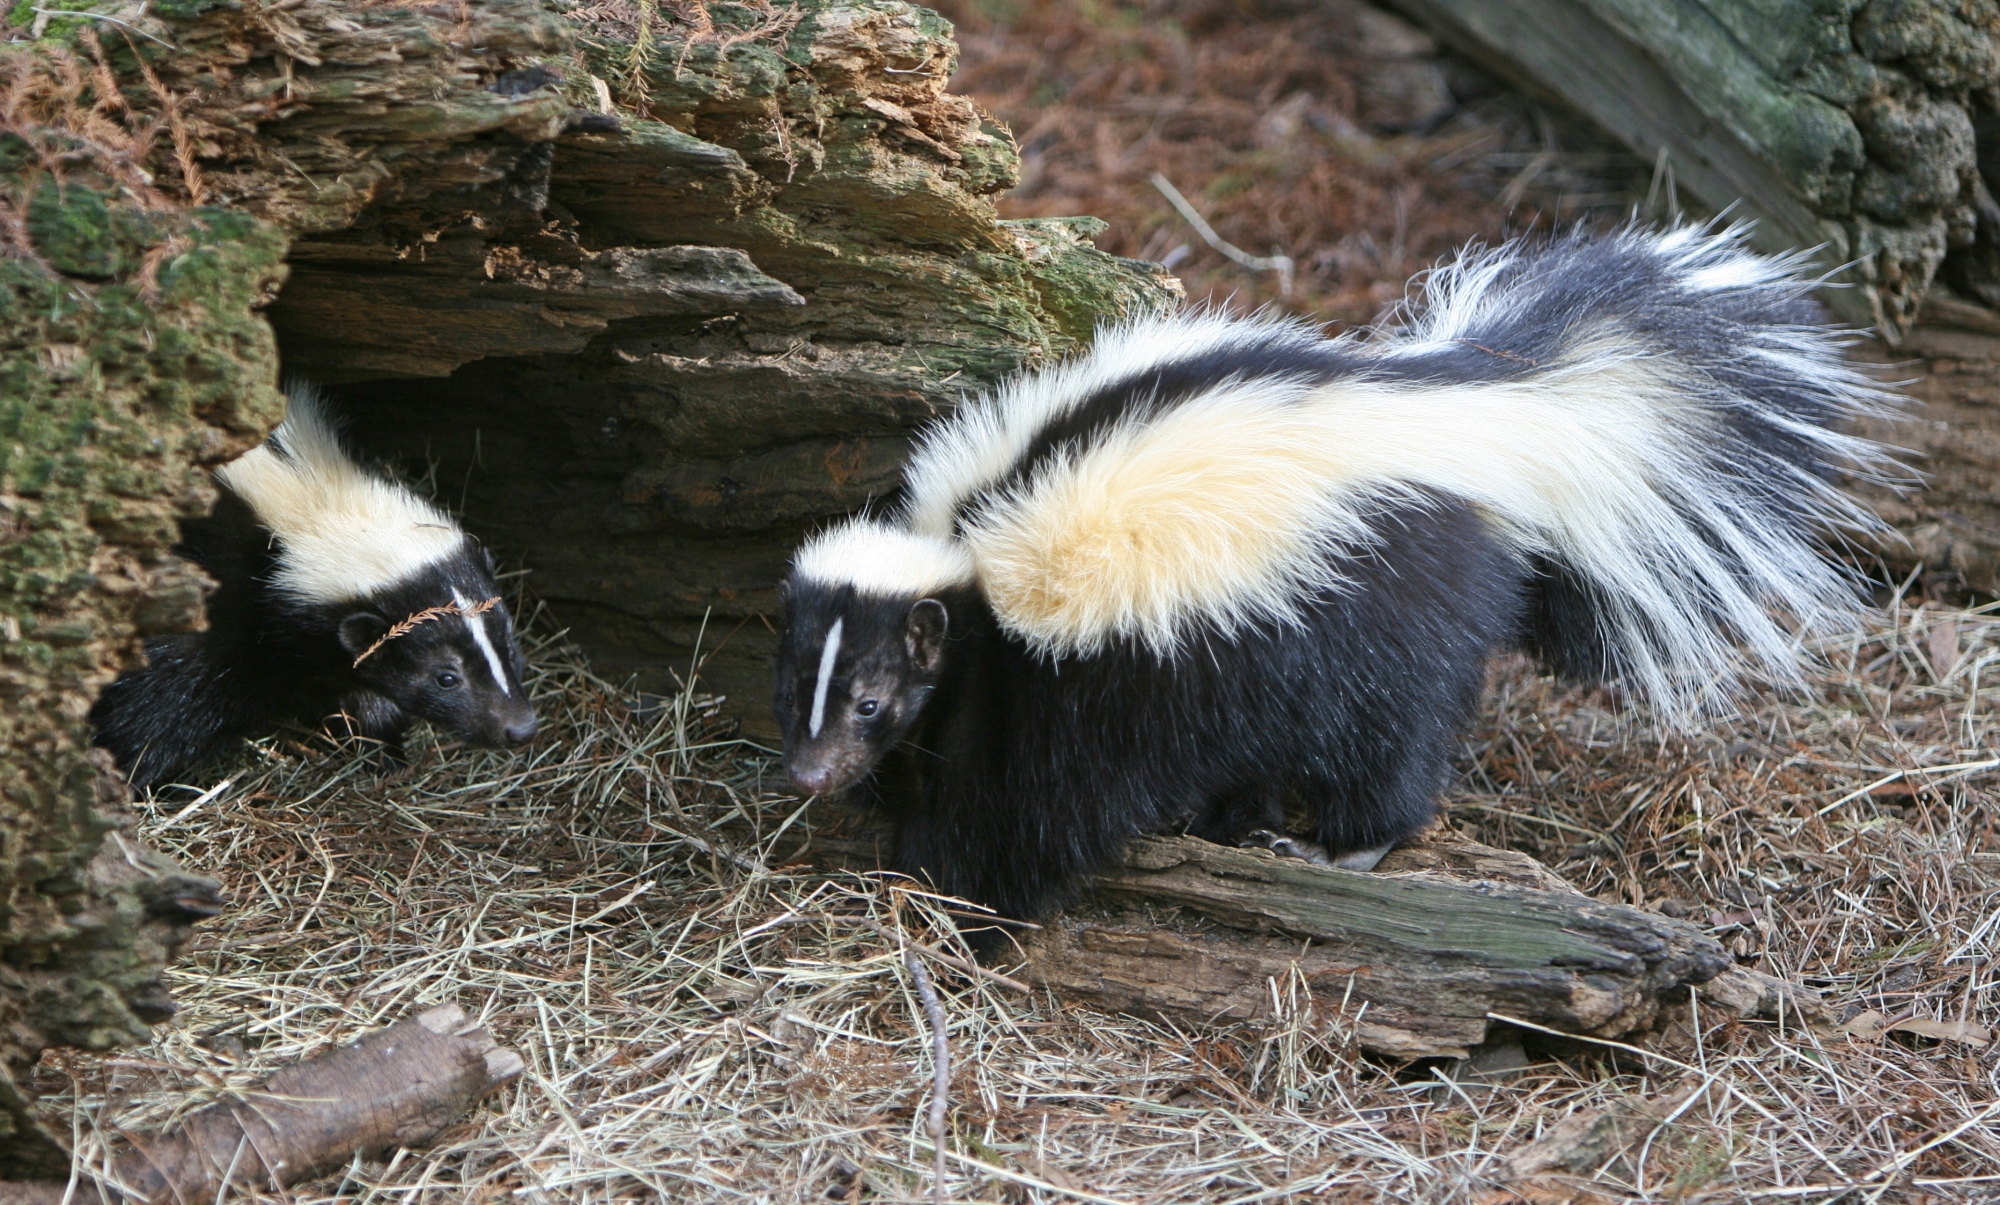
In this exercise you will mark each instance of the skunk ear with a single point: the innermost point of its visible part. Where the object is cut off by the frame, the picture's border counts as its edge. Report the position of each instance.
(923, 633)
(492, 566)
(360, 630)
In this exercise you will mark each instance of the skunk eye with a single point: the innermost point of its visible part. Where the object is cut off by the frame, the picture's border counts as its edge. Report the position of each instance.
(447, 680)
(866, 708)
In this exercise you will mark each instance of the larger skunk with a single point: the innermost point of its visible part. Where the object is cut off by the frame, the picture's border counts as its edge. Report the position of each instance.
(340, 594)
(1217, 564)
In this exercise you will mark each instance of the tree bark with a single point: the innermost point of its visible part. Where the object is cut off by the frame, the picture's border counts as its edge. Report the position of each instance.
(1865, 128)
(398, 1086)
(1951, 524)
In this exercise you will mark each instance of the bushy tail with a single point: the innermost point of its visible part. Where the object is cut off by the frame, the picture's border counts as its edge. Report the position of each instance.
(343, 531)
(1704, 376)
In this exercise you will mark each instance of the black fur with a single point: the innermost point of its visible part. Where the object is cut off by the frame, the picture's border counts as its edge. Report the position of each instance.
(267, 660)
(1022, 774)
(1011, 774)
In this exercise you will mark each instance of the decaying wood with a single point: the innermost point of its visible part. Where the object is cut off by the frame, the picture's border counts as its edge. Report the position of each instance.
(1951, 526)
(1419, 954)
(398, 1086)
(1850, 128)
(645, 352)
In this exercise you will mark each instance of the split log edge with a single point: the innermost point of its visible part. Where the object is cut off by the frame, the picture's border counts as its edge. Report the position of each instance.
(1417, 954)
(399, 1086)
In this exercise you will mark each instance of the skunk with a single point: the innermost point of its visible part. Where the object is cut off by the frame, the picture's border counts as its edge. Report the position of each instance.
(340, 594)
(1218, 565)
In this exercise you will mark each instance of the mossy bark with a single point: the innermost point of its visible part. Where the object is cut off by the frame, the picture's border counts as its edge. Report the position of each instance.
(654, 451)
(1868, 128)
(646, 352)
(115, 393)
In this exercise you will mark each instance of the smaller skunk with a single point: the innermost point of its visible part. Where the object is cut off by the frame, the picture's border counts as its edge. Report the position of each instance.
(1216, 566)
(340, 594)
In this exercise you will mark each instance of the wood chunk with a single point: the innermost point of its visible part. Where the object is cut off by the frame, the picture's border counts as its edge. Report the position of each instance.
(398, 1086)
(1417, 955)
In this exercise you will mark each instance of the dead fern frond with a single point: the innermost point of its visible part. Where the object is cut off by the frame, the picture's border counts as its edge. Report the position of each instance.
(177, 127)
(640, 55)
(110, 98)
(412, 623)
(149, 266)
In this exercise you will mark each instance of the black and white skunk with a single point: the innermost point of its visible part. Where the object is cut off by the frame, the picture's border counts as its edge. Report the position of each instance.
(1216, 565)
(341, 594)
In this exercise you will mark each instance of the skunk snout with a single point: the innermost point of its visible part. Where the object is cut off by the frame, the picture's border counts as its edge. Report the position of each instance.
(523, 732)
(824, 770)
(813, 778)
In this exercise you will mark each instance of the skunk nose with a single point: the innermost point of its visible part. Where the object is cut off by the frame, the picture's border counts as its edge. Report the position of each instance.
(523, 732)
(811, 779)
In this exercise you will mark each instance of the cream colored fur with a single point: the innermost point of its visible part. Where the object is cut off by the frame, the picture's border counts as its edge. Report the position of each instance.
(1236, 506)
(343, 532)
(983, 438)
(878, 558)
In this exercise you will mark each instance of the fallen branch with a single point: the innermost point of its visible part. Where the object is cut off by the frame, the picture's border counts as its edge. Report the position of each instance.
(1447, 932)
(398, 1086)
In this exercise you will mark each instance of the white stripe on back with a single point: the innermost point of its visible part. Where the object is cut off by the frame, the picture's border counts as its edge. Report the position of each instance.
(478, 625)
(827, 656)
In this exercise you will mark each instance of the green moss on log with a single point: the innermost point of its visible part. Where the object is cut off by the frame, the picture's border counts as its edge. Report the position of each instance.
(117, 387)
(1843, 125)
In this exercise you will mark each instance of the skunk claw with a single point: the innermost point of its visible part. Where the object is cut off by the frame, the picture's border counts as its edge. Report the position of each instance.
(1285, 846)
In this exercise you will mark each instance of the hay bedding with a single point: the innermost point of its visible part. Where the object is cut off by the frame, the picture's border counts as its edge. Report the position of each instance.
(702, 1025)
(689, 1036)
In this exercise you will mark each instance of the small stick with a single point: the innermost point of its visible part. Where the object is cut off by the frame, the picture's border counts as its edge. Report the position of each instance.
(61, 12)
(1281, 264)
(423, 617)
(940, 1064)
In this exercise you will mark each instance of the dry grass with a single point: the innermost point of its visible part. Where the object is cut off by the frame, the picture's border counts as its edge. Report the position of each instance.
(702, 1025)
(689, 1037)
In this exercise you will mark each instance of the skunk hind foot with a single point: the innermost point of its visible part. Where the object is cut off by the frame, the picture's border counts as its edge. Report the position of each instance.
(1286, 846)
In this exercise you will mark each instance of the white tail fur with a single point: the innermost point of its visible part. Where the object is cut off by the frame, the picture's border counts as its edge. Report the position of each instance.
(343, 532)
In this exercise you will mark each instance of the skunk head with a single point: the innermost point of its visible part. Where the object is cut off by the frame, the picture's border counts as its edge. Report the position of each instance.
(460, 668)
(359, 554)
(867, 612)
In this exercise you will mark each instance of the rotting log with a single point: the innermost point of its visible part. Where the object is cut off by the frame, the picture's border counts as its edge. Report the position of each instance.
(655, 469)
(1420, 955)
(645, 351)
(1868, 127)
(399, 1086)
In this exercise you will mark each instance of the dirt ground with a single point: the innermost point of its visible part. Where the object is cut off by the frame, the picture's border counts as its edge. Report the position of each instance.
(689, 1036)
(1331, 133)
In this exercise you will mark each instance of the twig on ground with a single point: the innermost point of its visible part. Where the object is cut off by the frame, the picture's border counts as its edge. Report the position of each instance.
(1281, 264)
(940, 1065)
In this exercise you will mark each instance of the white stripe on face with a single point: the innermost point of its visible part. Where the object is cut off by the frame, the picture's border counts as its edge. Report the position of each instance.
(478, 625)
(826, 659)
